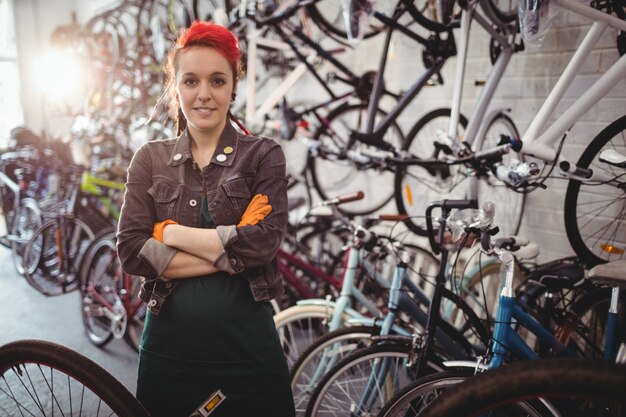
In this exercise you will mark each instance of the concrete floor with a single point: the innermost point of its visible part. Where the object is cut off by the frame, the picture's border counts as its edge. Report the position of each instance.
(26, 314)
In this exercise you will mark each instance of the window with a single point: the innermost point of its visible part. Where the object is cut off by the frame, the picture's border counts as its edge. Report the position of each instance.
(11, 114)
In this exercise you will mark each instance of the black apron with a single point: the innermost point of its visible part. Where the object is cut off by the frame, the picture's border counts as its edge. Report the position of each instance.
(210, 334)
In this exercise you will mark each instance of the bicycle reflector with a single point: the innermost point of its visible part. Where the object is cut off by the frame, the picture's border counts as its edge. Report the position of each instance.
(613, 250)
(209, 405)
(409, 195)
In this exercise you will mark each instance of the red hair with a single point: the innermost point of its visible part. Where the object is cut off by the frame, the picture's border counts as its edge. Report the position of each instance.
(209, 35)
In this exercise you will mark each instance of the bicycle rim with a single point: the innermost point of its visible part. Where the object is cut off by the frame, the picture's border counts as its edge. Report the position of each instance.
(43, 379)
(25, 222)
(413, 399)
(321, 356)
(595, 214)
(100, 302)
(299, 326)
(509, 203)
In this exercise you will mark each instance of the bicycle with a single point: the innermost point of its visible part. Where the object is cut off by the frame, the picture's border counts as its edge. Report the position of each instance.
(43, 378)
(507, 342)
(404, 304)
(110, 304)
(446, 134)
(594, 196)
(365, 378)
(299, 325)
(61, 241)
(376, 373)
(22, 214)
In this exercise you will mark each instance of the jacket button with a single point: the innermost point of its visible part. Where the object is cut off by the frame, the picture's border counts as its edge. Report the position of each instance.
(177, 157)
(233, 261)
(193, 203)
(168, 285)
(152, 303)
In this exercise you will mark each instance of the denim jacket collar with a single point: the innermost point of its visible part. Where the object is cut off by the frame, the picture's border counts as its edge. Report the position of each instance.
(224, 152)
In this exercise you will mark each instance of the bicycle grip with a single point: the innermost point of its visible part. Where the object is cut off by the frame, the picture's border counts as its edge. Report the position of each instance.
(393, 217)
(359, 195)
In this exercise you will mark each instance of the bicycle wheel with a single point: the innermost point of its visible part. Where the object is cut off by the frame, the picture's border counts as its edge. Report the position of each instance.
(321, 356)
(510, 203)
(299, 326)
(337, 168)
(103, 312)
(24, 221)
(415, 186)
(43, 379)
(61, 249)
(595, 213)
(328, 16)
(580, 387)
(584, 328)
(365, 380)
(416, 397)
(500, 11)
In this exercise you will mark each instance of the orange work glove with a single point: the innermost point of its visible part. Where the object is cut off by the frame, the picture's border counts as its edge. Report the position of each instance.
(256, 211)
(157, 230)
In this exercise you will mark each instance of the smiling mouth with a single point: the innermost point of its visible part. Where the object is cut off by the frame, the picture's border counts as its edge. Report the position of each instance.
(204, 110)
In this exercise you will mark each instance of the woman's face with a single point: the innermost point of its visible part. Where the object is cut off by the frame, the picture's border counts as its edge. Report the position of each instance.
(204, 86)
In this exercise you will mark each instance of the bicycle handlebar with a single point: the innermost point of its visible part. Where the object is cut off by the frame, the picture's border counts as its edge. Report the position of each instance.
(446, 206)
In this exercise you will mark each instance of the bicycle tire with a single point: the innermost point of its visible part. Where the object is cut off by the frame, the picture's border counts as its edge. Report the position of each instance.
(418, 181)
(435, 17)
(97, 324)
(25, 365)
(594, 214)
(545, 379)
(300, 325)
(510, 203)
(49, 278)
(416, 397)
(26, 219)
(331, 21)
(334, 174)
(497, 14)
(337, 396)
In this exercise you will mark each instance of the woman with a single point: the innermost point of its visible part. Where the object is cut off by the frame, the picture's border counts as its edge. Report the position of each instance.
(203, 217)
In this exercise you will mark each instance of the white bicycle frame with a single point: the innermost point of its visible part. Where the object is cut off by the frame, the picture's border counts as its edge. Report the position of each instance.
(476, 128)
(255, 115)
(543, 145)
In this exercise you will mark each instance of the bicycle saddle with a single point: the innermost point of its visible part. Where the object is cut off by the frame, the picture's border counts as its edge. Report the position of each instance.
(559, 274)
(612, 273)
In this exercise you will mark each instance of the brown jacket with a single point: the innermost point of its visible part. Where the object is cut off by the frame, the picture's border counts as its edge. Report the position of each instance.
(164, 182)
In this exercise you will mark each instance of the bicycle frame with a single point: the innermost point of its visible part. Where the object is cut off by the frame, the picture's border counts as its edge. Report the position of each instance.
(285, 259)
(92, 185)
(477, 119)
(507, 340)
(543, 145)
(130, 303)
